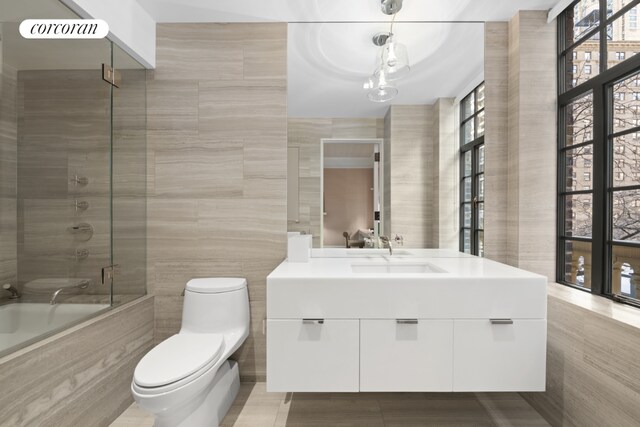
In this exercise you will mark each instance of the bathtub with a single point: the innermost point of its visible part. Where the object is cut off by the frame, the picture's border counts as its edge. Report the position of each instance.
(24, 323)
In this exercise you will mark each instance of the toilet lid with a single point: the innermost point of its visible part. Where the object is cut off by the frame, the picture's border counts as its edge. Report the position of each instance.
(177, 357)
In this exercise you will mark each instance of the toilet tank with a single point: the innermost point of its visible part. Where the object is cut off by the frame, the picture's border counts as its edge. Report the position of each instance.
(216, 305)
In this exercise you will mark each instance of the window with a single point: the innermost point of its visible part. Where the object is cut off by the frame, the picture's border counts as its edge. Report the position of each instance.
(599, 216)
(587, 56)
(575, 55)
(575, 69)
(472, 172)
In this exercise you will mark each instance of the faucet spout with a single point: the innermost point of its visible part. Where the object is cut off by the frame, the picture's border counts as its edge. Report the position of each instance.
(55, 296)
(387, 241)
(14, 292)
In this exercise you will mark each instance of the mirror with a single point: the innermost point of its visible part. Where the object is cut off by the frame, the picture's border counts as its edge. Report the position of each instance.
(417, 131)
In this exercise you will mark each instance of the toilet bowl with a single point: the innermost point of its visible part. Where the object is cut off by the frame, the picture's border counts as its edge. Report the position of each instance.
(187, 380)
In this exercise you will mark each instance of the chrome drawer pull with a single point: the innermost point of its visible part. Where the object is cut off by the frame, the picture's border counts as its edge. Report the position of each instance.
(501, 321)
(313, 321)
(407, 321)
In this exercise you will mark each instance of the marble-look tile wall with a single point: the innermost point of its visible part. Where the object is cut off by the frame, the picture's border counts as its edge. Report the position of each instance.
(532, 106)
(496, 66)
(409, 163)
(306, 134)
(8, 177)
(63, 133)
(129, 213)
(81, 377)
(446, 203)
(217, 165)
(592, 362)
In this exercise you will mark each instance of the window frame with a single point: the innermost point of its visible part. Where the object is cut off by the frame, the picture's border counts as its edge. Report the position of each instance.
(603, 173)
(472, 146)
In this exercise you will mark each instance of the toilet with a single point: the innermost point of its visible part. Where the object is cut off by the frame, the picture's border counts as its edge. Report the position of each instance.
(187, 380)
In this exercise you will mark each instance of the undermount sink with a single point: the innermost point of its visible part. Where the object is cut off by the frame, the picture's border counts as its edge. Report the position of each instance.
(388, 266)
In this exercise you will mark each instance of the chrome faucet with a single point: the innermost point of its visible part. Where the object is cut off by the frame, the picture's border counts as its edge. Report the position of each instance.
(386, 241)
(55, 295)
(82, 285)
(14, 292)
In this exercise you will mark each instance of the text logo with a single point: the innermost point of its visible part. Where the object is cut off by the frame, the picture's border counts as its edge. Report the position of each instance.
(64, 29)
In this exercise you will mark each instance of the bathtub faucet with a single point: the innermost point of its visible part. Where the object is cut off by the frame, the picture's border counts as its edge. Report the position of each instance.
(55, 295)
(14, 292)
(82, 285)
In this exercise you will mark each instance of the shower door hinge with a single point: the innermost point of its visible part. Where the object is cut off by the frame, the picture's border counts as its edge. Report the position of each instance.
(109, 272)
(110, 75)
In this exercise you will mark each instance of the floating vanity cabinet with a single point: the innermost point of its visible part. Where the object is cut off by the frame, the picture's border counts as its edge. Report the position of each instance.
(462, 324)
(406, 355)
(499, 354)
(313, 355)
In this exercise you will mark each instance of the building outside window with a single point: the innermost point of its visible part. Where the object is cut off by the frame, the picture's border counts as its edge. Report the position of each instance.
(472, 172)
(599, 211)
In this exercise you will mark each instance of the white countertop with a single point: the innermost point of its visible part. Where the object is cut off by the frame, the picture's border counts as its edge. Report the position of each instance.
(337, 263)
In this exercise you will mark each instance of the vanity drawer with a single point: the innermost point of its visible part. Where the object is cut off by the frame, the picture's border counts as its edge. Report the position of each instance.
(499, 355)
(312, 355)
(406, 355)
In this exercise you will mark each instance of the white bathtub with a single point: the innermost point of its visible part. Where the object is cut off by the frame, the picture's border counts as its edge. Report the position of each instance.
(22, 323)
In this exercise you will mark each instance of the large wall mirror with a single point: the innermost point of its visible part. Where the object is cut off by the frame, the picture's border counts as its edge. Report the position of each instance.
(332, 194)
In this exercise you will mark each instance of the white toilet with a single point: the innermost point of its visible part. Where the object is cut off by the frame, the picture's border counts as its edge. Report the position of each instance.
(186, 380)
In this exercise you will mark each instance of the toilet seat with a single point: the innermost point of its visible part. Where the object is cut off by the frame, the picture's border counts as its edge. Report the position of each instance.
(176, 361)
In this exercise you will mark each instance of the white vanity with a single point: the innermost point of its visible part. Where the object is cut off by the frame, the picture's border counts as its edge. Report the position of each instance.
(420, 320)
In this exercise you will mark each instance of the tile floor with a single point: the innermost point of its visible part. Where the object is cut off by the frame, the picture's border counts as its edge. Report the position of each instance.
(254, 407)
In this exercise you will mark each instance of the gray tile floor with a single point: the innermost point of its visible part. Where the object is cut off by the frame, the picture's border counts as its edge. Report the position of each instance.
(254, 407)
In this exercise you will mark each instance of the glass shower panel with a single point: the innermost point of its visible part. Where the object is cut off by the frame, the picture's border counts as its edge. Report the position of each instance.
(55, 180)
(129, 142)
(63, 170)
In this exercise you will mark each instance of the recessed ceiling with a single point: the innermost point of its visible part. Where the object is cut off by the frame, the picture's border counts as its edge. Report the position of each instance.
(329, 62)
(330, 53)
(333, 10)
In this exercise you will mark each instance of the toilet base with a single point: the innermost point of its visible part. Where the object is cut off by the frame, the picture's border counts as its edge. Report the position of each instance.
(209, 410)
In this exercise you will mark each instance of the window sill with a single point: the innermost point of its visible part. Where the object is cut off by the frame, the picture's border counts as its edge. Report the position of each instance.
(603, 306)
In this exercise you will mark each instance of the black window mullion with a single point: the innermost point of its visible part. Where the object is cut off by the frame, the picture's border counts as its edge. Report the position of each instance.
(598, 248)
(603, 37)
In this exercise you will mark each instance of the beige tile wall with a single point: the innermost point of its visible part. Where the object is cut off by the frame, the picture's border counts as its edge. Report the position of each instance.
(306, 134)
(532, 104)
(496, 66)
(592, 362)
(8, 177)
(217, 141)
(81, 377)
(446, 199)
(409, 164)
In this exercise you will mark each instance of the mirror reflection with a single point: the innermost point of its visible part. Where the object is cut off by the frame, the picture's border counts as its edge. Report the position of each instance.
(331, 69)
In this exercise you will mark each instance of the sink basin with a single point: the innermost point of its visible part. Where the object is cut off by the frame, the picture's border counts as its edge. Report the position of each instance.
(394, 267)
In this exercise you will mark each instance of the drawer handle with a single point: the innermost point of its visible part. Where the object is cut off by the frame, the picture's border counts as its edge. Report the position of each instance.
(407, 321)
(501, 321)
(313, 321)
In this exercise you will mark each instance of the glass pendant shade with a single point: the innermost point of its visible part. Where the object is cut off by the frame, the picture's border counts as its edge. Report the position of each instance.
(382, 90)
(395, 60)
